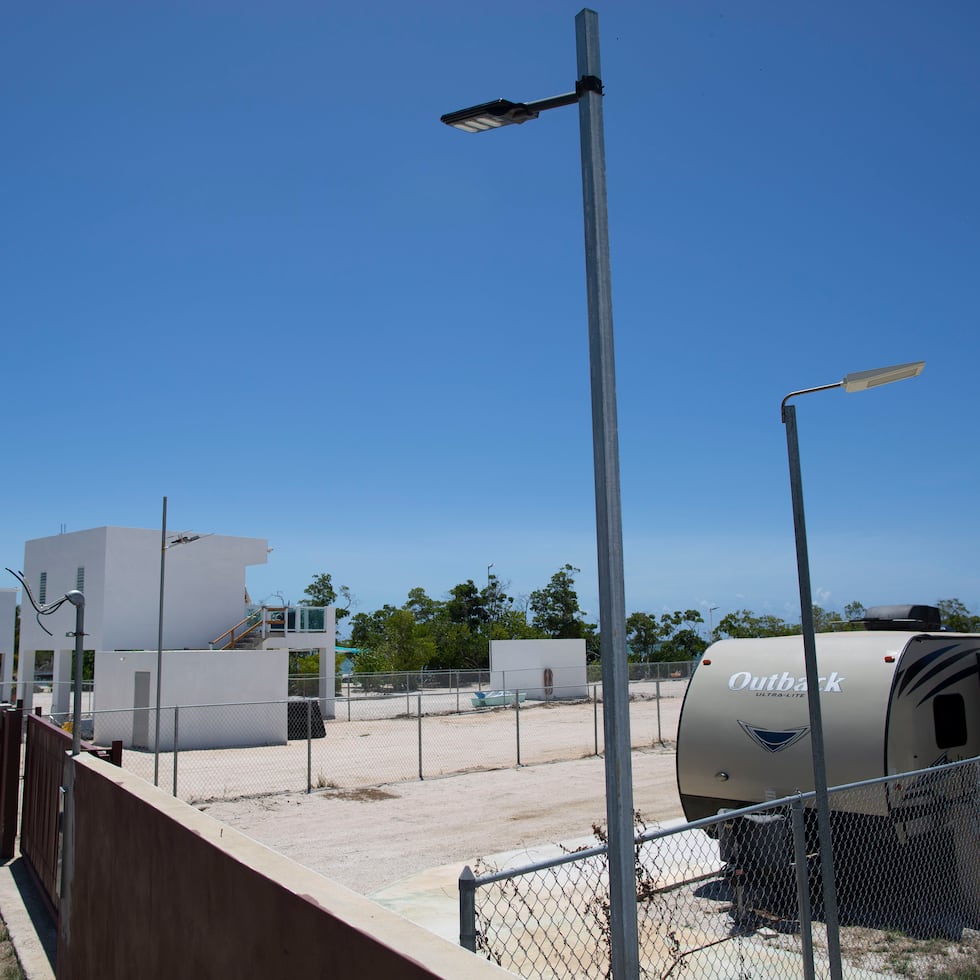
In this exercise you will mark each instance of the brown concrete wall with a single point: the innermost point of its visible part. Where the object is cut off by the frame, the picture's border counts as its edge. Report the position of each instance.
(163, 890)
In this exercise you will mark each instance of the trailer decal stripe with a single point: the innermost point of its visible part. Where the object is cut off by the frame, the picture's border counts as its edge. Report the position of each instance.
(923, 662)
(918, 666)
(949, 682)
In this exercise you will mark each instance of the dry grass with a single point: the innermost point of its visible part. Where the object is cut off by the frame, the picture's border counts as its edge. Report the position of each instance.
(9, 964)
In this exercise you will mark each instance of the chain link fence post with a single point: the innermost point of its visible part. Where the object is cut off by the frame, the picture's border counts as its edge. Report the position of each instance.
(176, 729)
(420, 736)
(309, 745)
(467, 909)
(595, 717)
(517, 716)
(802, 886)
(660, 734)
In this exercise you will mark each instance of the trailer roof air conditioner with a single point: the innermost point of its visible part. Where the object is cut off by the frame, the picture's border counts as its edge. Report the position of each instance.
(913, 618)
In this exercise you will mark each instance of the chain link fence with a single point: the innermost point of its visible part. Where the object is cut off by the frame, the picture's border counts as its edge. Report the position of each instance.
(738, 895)
(386, 728)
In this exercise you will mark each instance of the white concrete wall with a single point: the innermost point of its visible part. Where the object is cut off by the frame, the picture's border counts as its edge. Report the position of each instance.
(8, 619)
(60, 556)
(236, 685)
(520, 665)
(204, 591)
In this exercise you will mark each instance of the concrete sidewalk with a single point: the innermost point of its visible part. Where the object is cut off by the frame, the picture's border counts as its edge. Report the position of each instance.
(431, 899)
(31, 928)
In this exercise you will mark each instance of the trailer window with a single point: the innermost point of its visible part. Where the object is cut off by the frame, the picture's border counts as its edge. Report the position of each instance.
(949, 714)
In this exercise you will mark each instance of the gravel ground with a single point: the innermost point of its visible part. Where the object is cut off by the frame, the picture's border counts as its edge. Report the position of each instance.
(368, 837)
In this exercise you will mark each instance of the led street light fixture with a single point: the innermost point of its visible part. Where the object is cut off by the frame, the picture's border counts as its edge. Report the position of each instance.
(503, 112)
(862, 380)
(490, 115)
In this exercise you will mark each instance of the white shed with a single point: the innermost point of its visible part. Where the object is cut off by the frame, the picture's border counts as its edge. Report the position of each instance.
(543, 669)
(225, 698)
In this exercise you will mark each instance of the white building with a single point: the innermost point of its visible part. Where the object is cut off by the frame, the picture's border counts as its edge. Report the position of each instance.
(118, 571)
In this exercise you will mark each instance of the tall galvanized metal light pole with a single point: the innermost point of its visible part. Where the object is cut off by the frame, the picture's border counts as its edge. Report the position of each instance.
(605, 444)
(159, 686)
(164, 548)
(860, 381)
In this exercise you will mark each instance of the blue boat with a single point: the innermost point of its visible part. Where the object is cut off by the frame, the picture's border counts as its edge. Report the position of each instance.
(496, 699)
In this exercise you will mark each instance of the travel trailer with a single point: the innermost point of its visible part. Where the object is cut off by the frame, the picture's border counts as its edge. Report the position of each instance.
(898, 696)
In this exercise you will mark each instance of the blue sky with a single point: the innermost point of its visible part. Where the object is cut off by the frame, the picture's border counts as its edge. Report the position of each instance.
(245, 266)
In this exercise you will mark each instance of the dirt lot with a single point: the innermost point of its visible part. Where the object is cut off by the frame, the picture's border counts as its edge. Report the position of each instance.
(369, 837)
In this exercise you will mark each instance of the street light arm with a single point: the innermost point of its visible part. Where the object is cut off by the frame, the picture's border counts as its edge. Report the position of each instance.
(587, 83)
(805, 391)
(555, 102)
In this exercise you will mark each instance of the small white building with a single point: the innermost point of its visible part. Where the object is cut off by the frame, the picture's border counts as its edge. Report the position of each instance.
(250, 687)
(8, 620)
(541, 669)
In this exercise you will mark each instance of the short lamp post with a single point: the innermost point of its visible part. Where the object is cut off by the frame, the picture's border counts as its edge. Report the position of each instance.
(605, 444)
(78, 601)
(860, 381)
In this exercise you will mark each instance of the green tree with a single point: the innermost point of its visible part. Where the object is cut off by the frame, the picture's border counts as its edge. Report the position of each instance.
(555, 608)
(455, 646)
(669, 639)
(854, 611)
(420, 605)
(367, 629)
(465, 605)
(496, 602)
(303, 663)
(956, 617)
(824, 620)
(320, 592)
(512, 624)
(390, 639)
(685, 644)
(643, 634)
(593, 642)
(405, 645)
(744, 623)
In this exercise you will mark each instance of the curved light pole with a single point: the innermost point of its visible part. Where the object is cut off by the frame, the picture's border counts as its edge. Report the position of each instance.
(711, 627)
(605, 448)
(78, 601)
(860, 381)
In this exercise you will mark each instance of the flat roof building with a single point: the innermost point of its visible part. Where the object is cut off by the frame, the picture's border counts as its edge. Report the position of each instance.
(118, 571)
